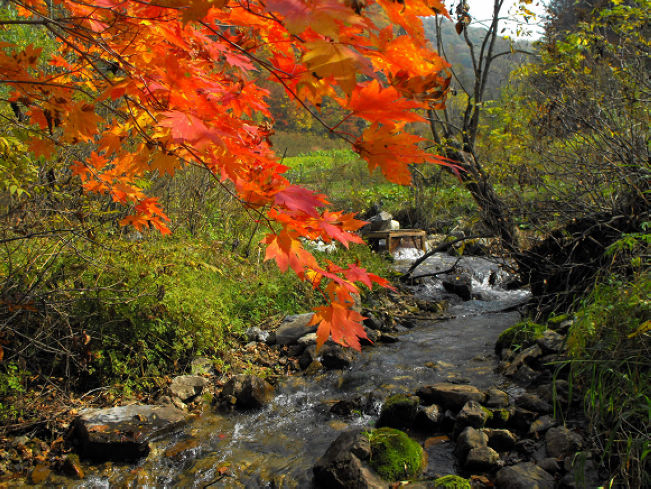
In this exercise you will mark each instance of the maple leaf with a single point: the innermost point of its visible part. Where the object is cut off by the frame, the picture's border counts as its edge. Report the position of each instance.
(329, 59)
(338, 321)
(187, 128)
(322, 16)
(300, 199)
(288, 251)
(383, 105)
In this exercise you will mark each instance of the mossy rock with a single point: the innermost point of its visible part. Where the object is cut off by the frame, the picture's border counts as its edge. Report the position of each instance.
(395, 456)
(399, 411)
(452, 482)
(521, 334)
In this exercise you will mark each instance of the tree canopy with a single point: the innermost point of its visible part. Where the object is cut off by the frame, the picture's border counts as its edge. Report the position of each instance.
(138, 89)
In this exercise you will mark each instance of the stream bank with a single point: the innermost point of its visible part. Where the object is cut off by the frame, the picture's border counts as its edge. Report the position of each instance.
(279, 444)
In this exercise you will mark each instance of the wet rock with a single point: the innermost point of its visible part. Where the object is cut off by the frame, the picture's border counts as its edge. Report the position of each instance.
(469, 439)
(399, 411)
(346, 407)
(496, 398)
(501, 417)
(533, 403)
(449, 396)
(472, 414)
(343, 466)
(372, 337)
(525, 357)
(541, 425)
(560, 442)
(525, 376)
(187, 387)
(256, 334)
(500, 439)
(528, 446)
(372, 322)
(247, 391)
(460, 284)
(522, 418)
(550, 465)
(429, 418)
(314, 368)
(388, 338)
(524, 476)
(122, 433)
(307, 357)
(551, 342)
(482, 459)
(293, 327)
(336, 357)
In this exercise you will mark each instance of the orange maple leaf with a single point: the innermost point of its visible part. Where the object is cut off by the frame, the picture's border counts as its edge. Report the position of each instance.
(340, 322)
(384, 105)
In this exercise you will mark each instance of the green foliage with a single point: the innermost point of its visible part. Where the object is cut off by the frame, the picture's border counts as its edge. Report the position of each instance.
(12, 385)
(452, 482)
(395, 456)
(519, 335)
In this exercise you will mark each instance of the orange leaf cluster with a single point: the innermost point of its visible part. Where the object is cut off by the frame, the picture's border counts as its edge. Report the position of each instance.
(147, 87)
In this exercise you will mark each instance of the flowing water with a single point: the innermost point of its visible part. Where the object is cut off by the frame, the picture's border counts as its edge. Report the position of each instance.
(277, 446)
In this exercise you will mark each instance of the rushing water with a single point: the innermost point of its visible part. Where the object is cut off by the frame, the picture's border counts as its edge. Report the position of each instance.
(277, 446)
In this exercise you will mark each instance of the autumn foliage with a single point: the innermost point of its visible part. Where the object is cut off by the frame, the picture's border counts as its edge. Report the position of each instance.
(140, 88)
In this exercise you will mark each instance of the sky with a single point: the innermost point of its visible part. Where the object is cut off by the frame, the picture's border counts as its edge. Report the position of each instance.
(482, 10)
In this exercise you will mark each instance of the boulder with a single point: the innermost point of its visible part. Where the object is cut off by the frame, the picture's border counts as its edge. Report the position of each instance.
(551, 342)
(449, 396)
(496, 398)
(525, 357)
(525, 376)
(308, 356)
(469, 439)
(560, 442)
(533, 403)
(293, 327)
(522, 418)
(460, 284)
(398, 411)
(247, 392)
(472, 414)
(541, 425)
(122, 433)
(256, 334)
(524, 476)
(344, 464)
(483, 459)
(307, 340)
(429, 418)
(379, 222)
(202, 366)
(500, 439)
(336, 357)
(346, 407)
(187, 387)
(372, 322)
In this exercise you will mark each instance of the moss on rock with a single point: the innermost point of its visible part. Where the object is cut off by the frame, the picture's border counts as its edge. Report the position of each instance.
(452, 482)
(521, 334)
(395, 456)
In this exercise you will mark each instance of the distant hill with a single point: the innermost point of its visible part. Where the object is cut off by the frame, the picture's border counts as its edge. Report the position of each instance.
(457, 53)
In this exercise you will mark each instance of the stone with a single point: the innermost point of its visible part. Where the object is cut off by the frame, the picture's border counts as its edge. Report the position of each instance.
(39, 474)
(541, 425)
(398, 411)
(429, 418)
(550, 465)
(347, 407)
(533, 403)
(72, 467)
(372, 322)
(388, 338)
(469, 439)
(202, 366)
(314, 368)
(451, 482)
(582, 472)
(522, 419)
(460, 284)
(293, 327)
(525, 376)
(344, 464)
(524, 476)
(307, 357)
(501, 417)
(551, 342)
(307, 340)
(187, 387)
(248, 391)
(472, 414)
(560, 442)
(500, 439)
(379, 222)
(395, 456)
(482, 459)
(372, 337)
(256, 334)
(122, 433)
(525, 357)
(336, 357)
(449, 396)
(496, 398)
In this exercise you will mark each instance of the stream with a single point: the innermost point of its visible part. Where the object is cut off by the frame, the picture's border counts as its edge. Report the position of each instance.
(277, 446)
